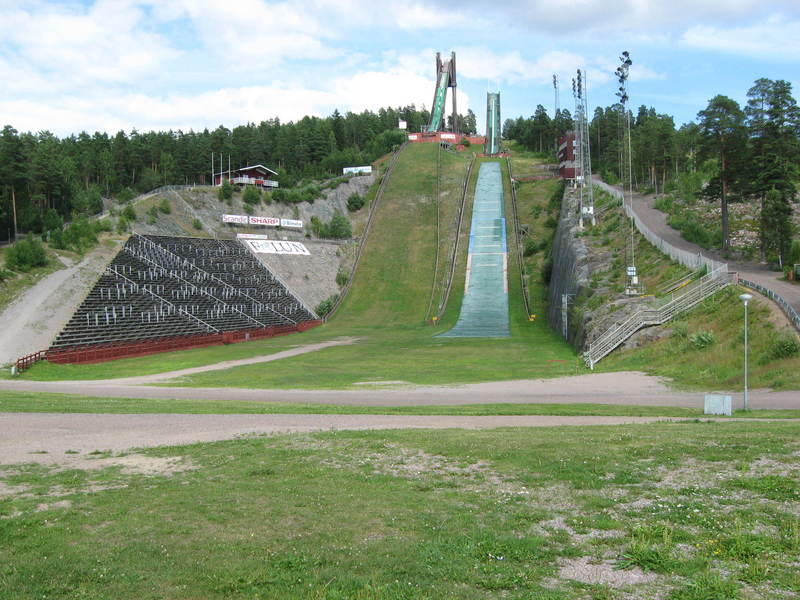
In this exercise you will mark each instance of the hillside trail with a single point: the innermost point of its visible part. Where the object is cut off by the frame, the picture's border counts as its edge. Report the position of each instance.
(32, 321)
(760, 273)
(228, 364)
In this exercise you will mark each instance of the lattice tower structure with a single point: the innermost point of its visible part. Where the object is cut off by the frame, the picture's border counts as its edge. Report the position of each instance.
(445, 79)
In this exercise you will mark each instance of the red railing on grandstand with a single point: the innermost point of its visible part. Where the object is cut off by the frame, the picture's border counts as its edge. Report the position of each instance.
(104, 352)
(26, 361)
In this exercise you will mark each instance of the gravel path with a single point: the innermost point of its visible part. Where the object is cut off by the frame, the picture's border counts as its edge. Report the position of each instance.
(32, 321)
(228, 364)
(603, 388)
(45, 438)
(644, 207)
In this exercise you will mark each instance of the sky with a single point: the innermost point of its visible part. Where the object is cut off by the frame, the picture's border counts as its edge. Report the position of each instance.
(110, 65)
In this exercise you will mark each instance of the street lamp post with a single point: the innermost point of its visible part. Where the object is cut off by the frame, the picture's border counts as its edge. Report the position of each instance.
(745, 298)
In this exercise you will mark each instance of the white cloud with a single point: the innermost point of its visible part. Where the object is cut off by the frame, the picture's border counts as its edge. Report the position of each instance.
(367, 90)
(774, 39)
(252, 35)
(73, 46)
(638, 16)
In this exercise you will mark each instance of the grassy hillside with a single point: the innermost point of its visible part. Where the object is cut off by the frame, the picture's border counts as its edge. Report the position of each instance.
(386, 309)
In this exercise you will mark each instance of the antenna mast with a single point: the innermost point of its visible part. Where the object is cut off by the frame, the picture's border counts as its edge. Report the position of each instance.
(633, 287)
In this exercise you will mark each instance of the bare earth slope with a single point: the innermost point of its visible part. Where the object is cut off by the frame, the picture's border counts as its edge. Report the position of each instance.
(33, 320)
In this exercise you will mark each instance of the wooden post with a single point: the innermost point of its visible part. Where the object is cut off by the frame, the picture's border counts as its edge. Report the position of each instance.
(14, 210)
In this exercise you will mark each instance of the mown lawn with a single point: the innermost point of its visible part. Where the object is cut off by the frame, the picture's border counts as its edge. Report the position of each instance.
(682, 511)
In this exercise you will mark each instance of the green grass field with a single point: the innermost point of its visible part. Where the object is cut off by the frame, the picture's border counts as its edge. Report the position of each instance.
(674, 511)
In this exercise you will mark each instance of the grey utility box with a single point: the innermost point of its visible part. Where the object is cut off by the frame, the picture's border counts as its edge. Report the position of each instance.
(717, 404)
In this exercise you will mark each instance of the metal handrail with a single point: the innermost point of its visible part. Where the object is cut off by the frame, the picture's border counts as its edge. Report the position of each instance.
(693, 295)
(520, 264)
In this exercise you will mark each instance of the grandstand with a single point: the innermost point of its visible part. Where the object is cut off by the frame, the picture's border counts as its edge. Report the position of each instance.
(161, 293)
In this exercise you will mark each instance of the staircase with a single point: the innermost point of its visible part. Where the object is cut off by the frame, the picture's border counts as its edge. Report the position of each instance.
(690, 296)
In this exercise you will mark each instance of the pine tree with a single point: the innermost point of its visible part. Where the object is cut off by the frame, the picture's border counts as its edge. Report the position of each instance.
(723, 136)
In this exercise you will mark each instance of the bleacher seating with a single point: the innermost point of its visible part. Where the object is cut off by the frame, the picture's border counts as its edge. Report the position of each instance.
(163, 287)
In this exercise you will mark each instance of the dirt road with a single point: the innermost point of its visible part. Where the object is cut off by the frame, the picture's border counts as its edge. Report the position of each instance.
(33, 320)
(603, 388)
(58, 439)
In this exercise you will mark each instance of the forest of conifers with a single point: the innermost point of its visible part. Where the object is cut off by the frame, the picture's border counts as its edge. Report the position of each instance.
(731, 153)
(39, 171)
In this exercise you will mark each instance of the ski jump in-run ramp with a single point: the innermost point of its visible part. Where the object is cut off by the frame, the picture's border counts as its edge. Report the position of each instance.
(484, 310)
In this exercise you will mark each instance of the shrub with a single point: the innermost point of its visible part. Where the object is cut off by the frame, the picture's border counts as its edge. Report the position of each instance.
(197, 224)
(102, 225)
(530, 247)
(123, 225)
(152, 215)
(129, 213)
(52, 221)
(248, 208)
(25, 255)
(5, 274)
(165, 207)
(785, 345)
(326, 306)
(465, 142)
(550, 223)
(355, 202)
(701, 339)
(251, 195)
(225, 192)
(340, 228)
(341, 277)
(125, 195)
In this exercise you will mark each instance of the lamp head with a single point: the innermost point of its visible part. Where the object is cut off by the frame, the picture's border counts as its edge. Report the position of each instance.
(746, 298)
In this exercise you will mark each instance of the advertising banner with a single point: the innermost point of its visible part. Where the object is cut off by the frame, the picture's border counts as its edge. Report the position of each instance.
(365, 170)
(269, 221)
(448, 136)
(264, 221)
(278, 247)
(252, 236)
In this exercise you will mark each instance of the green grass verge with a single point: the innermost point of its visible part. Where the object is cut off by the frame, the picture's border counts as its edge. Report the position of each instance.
(13, 401)
(720, 364)
(677, 511)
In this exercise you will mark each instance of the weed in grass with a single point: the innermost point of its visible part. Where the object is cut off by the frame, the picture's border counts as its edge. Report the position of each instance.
(707, 586)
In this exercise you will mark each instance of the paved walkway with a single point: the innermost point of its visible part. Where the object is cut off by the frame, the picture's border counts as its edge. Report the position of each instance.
(644, 207)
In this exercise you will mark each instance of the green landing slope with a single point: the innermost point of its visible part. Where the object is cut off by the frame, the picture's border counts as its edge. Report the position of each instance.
(484, 309)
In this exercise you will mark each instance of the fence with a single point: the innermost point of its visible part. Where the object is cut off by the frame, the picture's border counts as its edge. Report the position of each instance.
(785, 306)
(105, 352)
(518, 242)
(26, 361)
(689, 259)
